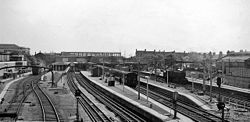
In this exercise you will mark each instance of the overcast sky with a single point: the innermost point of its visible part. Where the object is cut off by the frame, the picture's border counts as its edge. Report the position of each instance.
(126, 25)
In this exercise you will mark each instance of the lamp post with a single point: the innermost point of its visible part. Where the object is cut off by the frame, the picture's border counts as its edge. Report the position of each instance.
(102, 68)
(175, 97)
(167, 77)
(98, 73)
(192, 75)
(52, 78)
(123, 77)
(219, 81)
(77, 95)
(147, 87)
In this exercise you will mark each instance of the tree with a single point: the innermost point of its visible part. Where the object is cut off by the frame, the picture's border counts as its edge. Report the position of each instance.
(220, 54)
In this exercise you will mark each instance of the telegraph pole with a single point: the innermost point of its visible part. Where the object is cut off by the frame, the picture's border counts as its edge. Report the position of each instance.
(103, 68)
(166, 70)
(139, 82)
(123, 76)
(210, 74)
(155, 70)
(204, 81)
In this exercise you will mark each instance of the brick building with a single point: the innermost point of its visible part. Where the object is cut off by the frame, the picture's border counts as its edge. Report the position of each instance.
(12, 55)
(158, 58)
(236, 68)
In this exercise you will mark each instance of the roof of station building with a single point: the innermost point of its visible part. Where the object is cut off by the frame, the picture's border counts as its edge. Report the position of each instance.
(9, 46)
(236, 58)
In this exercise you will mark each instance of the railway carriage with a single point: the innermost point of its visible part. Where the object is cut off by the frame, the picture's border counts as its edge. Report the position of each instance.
(130, 77)
(178, 77)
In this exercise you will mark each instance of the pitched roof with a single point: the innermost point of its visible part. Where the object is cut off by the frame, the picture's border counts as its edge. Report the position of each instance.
(9, 46)
(235, 58)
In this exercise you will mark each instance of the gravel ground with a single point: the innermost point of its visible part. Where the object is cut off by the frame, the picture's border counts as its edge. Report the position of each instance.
(65, 101)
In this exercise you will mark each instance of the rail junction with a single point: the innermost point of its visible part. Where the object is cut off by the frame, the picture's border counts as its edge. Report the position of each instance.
(123, 106)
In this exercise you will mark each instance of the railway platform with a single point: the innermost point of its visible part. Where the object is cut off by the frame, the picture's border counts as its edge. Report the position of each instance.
(232, 110)
(200, 102)
(222, 85)
(131, 95)
(4, 87)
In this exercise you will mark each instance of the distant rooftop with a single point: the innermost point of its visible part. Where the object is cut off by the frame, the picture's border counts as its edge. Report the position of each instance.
(154, 51)
(8, 46)
(11, 46)
(243, 53)
(237, 56)
(83, 54)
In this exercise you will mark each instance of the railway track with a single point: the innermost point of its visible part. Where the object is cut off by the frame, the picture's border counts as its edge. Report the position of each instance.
(49, 111)
(229, 98)
(236, 98)
(27, 90)
(22, 91)
(94, 113)
(196, 114)
(124, 113)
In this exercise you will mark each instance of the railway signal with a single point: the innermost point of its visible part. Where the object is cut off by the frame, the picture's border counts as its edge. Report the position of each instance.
(77, 95)
(219, 82)
(175, 97)
(221, 106)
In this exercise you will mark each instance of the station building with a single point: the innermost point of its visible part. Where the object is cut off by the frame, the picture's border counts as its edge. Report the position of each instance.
(11, 48)
(12, 55)
(60, 66)
(236, 69)
(79, 58)
(84, 56)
